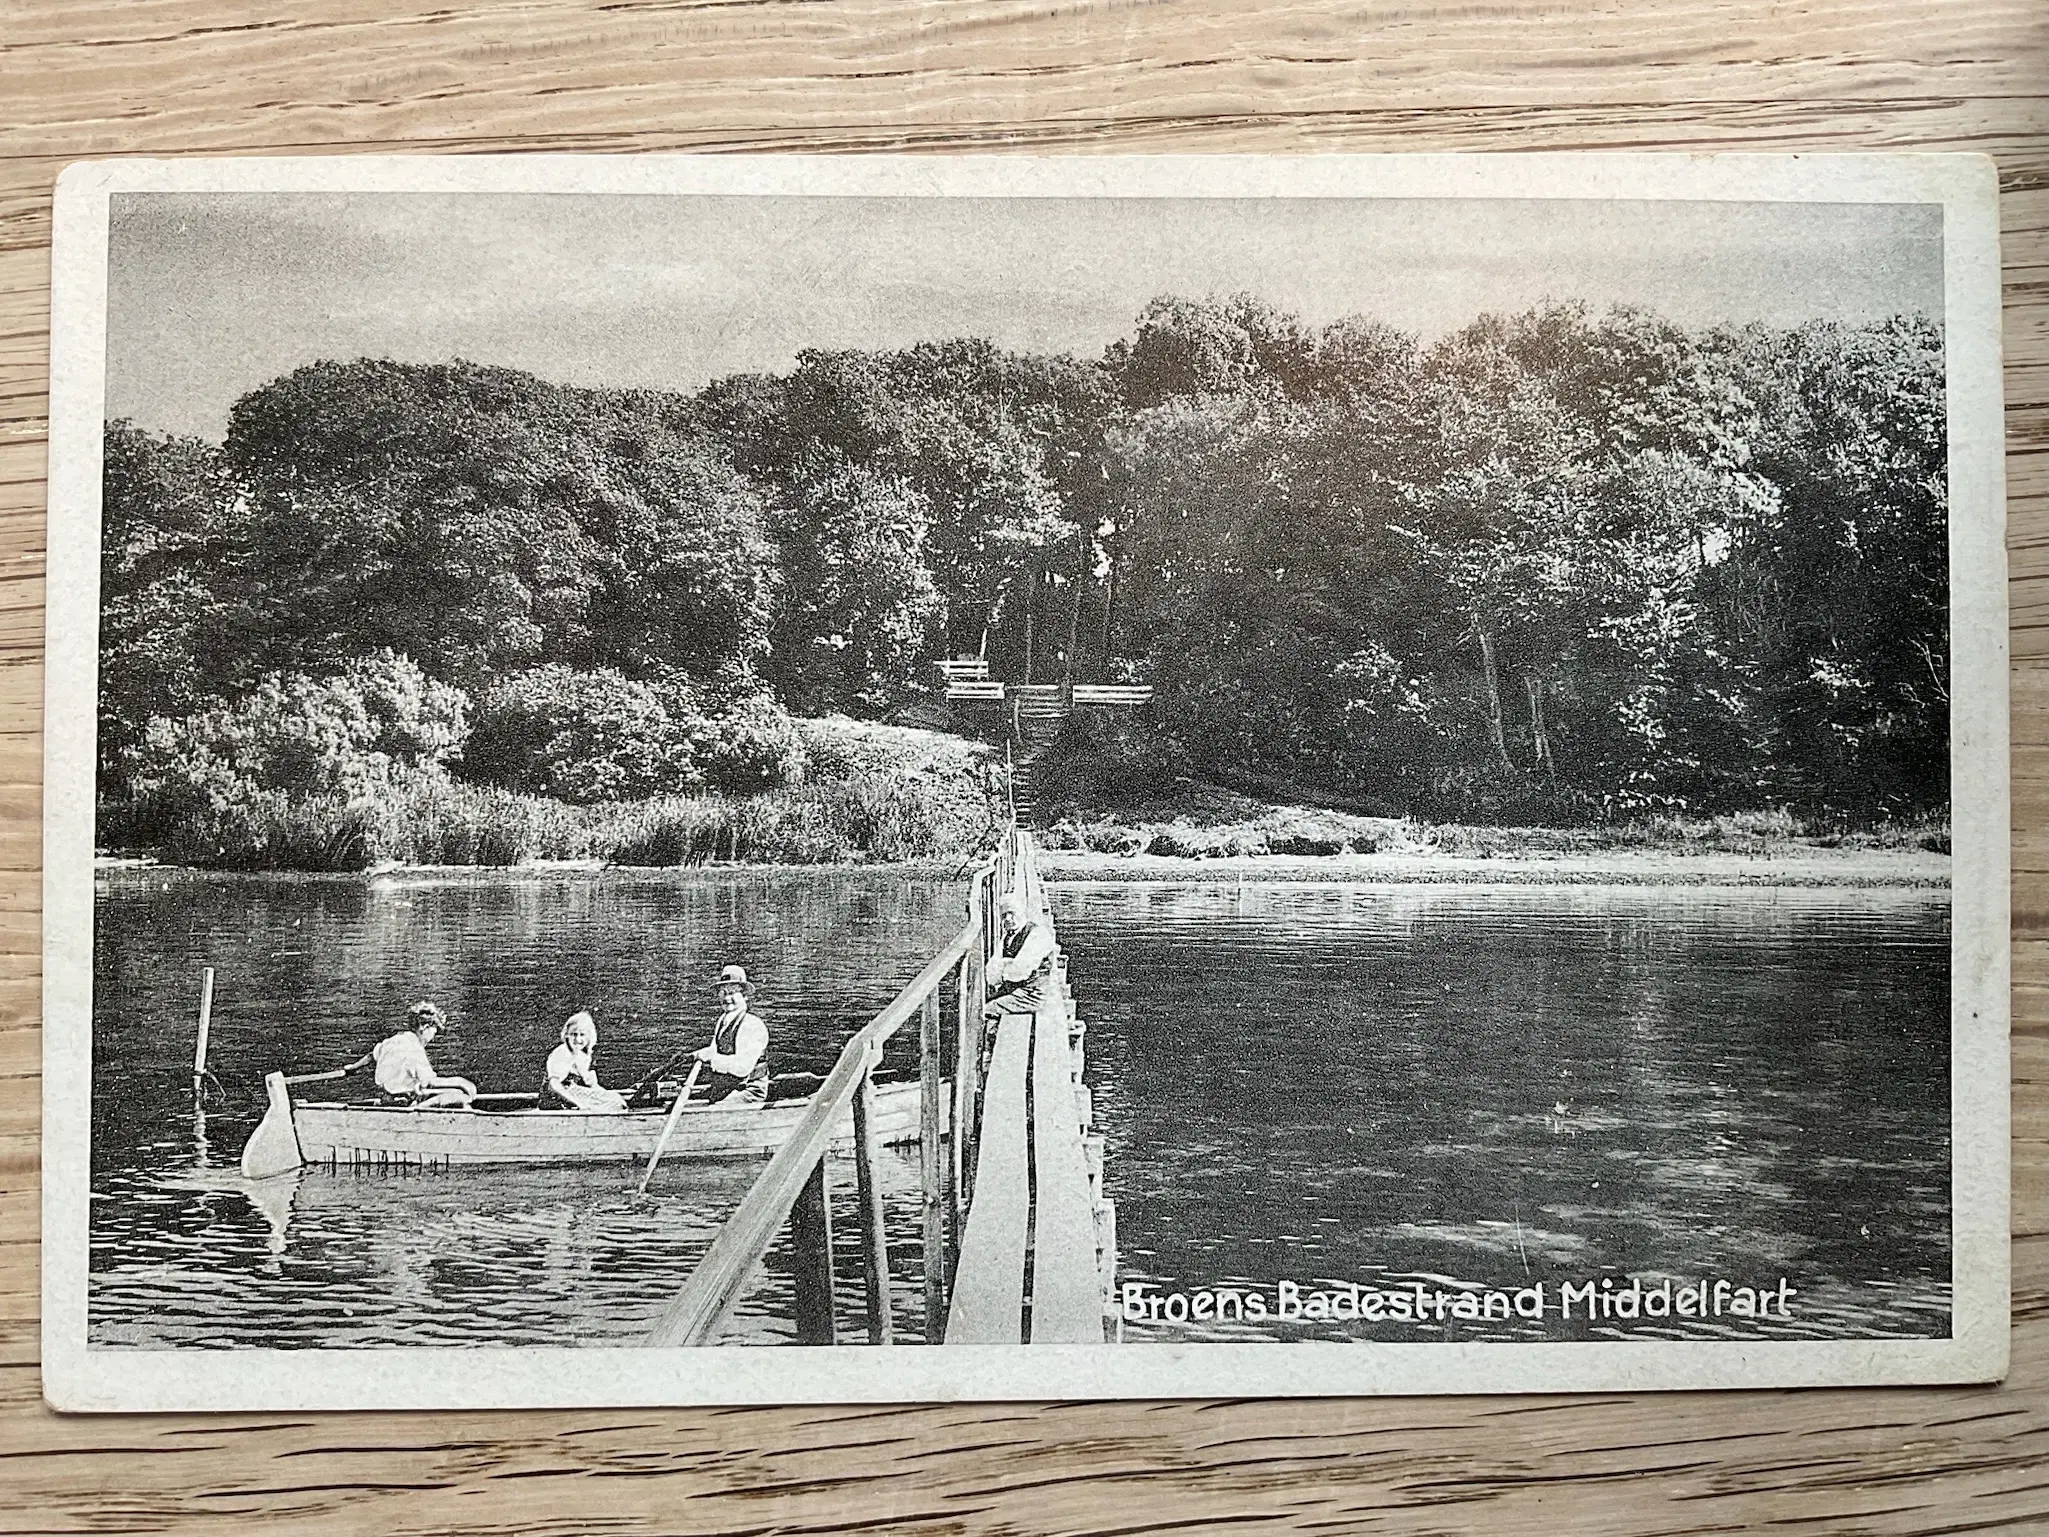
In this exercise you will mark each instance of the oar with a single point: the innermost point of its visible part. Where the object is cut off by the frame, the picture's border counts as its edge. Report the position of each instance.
(669, 1126)
(273, 1148)
(632, 1090)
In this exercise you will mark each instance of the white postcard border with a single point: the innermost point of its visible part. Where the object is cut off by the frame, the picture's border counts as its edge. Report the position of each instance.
(78, 1378)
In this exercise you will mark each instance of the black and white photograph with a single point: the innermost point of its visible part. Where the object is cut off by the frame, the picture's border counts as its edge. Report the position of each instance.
(743, 781)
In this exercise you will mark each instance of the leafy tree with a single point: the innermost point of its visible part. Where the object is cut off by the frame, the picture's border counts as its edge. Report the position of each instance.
(860, 599)
(163, 502)
(480, 519)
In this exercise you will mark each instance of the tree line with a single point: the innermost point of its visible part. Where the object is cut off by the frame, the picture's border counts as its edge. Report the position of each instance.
(1556, 564)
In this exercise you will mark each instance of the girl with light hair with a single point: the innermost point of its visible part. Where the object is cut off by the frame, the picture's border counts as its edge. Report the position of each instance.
(572, 1078)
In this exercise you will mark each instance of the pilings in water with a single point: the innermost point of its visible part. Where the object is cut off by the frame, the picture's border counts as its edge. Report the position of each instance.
(205, 1024)
(1019, 1241)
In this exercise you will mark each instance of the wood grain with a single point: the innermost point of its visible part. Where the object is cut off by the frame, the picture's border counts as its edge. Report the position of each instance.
(175, 77)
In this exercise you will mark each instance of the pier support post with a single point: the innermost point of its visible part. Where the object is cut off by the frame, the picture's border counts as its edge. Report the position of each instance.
(874, 1239)
(811, 1224)
(959, 1110)
(205, 1023)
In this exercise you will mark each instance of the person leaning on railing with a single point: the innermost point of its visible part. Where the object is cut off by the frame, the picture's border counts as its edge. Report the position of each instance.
(1017, 973)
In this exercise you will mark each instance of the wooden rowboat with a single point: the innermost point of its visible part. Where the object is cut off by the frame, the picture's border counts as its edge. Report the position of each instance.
(399, 1136)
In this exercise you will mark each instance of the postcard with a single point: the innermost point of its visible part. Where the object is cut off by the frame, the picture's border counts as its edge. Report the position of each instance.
(764, 780)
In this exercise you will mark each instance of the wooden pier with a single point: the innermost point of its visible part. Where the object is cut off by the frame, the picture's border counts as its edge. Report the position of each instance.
(1019, 1242)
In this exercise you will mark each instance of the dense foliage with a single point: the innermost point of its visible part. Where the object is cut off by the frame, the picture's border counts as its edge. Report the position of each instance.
(1554, 566)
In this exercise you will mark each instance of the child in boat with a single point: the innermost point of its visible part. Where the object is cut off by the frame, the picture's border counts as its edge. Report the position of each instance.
(736, 1061)
(403, 1070)
(572, 1080)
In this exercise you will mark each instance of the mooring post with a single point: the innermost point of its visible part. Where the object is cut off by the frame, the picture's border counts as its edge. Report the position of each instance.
(928, 1148)
(205, 1022)
(811, 1225)
(874, 1238)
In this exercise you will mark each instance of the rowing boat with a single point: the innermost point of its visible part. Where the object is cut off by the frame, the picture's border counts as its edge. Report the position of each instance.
(402, 1136)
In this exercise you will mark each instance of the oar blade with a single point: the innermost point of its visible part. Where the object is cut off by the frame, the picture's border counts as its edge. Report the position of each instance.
(273, 1148)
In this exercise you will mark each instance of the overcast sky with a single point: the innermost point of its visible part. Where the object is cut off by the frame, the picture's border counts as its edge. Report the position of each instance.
(211, 295)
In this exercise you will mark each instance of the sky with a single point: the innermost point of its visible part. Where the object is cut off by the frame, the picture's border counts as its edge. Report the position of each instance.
(213, 294)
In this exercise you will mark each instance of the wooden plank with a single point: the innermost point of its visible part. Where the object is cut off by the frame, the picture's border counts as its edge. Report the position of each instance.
(988, 1286)
(1067, 1297)
(1233, 75)
(874, 1236)
(1118, 694)
(811, 1225)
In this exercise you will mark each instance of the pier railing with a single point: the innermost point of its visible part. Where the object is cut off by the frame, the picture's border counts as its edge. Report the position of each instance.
(1007, 1169)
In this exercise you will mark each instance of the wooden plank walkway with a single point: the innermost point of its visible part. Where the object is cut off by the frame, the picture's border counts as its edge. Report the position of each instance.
(1067, 1289)
(988, 1283)
(1033, 1196)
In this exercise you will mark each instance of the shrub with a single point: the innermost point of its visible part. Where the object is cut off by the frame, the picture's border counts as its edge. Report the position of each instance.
(752, 745)
(577, 736)
(596, 736)
(283, 775)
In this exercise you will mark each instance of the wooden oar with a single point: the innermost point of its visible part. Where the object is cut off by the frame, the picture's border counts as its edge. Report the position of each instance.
(273, 1148)
(632, 1090)
(340, 1072)
(669, 1126)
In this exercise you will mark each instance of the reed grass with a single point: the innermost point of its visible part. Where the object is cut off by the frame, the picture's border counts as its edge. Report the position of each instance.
(872, 815)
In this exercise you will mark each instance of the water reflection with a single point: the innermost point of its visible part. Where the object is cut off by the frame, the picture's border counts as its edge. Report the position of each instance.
(186, 1252)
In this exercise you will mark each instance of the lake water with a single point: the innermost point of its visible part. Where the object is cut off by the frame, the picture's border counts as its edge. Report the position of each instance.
(1309, 1084)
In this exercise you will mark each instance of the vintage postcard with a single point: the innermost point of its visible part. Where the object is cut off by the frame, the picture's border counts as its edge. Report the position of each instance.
(749, 780)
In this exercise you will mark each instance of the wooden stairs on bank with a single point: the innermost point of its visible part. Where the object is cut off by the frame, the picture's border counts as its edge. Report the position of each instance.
(1033, 717)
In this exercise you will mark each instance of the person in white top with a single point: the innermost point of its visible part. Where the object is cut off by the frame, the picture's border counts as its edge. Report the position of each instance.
(736, 1061)
(572, 1080)
(1017, 972)
(403, 1070)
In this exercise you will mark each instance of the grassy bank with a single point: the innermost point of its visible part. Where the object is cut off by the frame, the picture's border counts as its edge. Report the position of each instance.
(1220, 824)
(1204, 827)
(873, 794)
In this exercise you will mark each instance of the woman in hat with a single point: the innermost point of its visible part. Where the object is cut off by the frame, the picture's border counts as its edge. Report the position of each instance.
(736, 1061)
(572, 1080)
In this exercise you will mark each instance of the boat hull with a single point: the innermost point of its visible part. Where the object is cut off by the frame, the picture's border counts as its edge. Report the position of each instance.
(384, 1136)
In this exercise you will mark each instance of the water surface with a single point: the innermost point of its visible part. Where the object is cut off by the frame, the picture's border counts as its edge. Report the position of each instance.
(1495, 1086)
(1473, 1087)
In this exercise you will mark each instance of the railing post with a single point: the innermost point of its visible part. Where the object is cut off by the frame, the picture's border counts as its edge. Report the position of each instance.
(811, 1229)
(928, 1147)
(874, 1238)
(957, 1116)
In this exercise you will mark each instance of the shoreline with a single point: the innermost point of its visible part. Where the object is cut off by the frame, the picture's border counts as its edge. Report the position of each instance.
(1909, 869)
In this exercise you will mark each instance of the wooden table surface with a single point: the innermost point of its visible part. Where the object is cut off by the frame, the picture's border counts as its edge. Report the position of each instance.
(181, 77)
